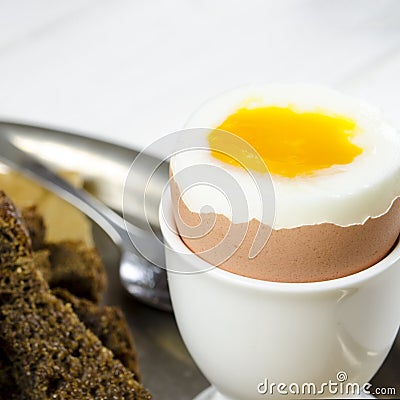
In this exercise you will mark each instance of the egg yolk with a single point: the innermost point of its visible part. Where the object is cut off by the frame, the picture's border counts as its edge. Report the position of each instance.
(290, 143)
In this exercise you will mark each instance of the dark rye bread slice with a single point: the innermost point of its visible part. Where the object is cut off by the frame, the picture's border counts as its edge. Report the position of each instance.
(52, 353)
(14, 236)
(74, 265)
(108, 324)
(78, 268)
(42, 263)
(34, 222)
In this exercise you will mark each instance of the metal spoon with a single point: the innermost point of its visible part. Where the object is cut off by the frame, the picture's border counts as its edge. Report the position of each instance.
(141, 278)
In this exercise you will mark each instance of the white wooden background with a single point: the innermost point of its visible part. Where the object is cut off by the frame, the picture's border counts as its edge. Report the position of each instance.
(133, 70)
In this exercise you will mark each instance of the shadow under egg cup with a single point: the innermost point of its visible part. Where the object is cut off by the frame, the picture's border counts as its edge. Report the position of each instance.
(248, 336)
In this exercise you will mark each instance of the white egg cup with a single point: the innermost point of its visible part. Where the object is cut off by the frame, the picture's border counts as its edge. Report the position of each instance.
(246, 335)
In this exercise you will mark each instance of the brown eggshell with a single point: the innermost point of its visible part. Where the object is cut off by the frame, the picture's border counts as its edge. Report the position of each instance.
(306, 253)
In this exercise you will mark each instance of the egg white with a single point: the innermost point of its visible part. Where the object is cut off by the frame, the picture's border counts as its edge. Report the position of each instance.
(342, 194)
